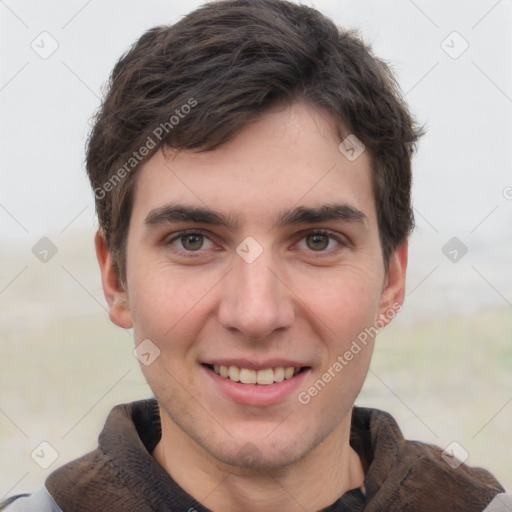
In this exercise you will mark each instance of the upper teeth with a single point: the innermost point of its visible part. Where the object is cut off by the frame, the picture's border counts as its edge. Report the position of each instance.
(247, 376)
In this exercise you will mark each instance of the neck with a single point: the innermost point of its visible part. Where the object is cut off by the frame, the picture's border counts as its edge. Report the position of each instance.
(333, 466)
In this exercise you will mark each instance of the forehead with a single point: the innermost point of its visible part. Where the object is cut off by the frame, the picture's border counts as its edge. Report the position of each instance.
(287, 158)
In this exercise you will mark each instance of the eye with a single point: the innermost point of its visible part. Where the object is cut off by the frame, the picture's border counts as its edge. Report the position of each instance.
(317, 242)
(190, 242)
(320, 241)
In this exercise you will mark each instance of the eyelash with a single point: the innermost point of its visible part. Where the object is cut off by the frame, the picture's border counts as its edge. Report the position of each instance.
(341, 241)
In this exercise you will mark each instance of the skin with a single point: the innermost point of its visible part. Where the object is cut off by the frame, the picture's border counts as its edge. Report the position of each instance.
(303, 298)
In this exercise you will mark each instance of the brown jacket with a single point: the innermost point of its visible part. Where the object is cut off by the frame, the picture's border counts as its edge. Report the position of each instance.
(121, 475)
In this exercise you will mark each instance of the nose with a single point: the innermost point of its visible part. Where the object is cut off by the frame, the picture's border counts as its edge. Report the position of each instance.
(255, 300)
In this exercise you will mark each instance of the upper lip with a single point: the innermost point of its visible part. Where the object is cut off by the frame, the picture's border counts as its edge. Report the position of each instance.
(255, 365)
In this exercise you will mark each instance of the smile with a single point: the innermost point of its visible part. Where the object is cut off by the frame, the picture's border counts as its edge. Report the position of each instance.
(263, 377)
(259, 384)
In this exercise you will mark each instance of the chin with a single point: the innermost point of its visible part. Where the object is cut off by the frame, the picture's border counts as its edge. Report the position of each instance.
(263, 453)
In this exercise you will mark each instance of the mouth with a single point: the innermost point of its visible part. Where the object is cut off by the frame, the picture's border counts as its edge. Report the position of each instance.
(261, 377)
(245, 382)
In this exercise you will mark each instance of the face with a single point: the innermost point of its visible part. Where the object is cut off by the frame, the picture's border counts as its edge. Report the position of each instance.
(259, 260)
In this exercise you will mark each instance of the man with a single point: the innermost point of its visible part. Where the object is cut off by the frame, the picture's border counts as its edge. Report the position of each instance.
(251, 168)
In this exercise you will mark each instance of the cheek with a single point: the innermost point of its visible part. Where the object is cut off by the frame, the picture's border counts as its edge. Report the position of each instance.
(172, 315)
(347, 317)
(169, 304)
(344, 303)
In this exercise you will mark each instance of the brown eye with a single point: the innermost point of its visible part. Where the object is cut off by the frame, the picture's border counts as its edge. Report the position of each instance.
(317, 242)
(192, 242)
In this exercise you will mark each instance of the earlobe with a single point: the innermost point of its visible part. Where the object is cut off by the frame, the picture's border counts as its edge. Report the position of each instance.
(115, 294)
(393, 292)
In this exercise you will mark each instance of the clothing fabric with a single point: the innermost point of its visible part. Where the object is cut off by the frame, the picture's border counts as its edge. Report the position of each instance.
(407, 476)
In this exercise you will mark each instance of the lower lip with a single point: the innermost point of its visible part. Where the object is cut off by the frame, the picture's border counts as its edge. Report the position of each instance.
(254, 394)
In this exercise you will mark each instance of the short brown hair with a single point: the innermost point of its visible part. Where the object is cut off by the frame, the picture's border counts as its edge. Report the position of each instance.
(195, 84)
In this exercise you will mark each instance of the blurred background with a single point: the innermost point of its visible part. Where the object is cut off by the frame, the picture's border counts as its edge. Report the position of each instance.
(443, 366)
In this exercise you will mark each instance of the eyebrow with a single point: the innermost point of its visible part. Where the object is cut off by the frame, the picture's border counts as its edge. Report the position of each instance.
(173, 213)
(338, 211)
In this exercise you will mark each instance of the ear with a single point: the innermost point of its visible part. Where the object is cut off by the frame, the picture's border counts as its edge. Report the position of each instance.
(393, 292)
(113, 289)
